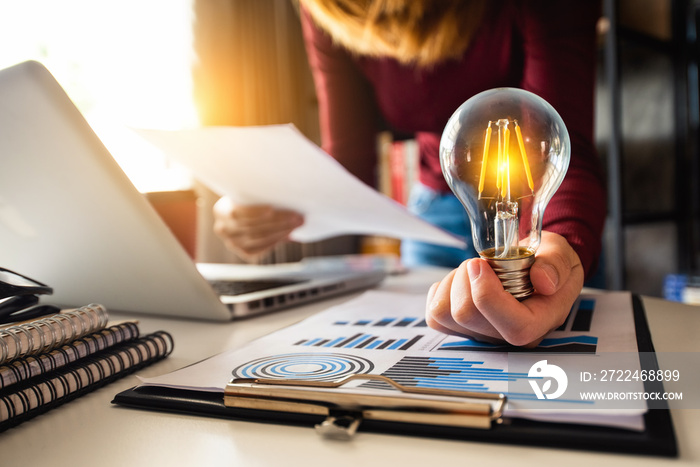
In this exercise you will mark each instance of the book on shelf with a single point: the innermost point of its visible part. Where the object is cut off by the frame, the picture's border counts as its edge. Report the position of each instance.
(397, 166)
(682, 288)
(397, 169)
(40, 394)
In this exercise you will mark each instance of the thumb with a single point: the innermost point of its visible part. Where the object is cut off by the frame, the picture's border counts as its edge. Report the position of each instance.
(553, 265)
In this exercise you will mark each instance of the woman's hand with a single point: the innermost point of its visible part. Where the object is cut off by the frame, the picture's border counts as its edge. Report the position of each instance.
(250, 230)
(471, 301)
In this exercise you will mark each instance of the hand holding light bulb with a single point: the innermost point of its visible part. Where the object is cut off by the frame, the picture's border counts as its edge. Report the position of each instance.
(471, 301)
(504, 153)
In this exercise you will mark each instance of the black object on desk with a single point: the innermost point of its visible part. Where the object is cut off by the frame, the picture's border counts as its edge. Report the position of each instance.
(19, 298)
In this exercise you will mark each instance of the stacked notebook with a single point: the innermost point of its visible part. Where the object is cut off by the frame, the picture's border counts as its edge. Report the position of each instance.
(46, 362)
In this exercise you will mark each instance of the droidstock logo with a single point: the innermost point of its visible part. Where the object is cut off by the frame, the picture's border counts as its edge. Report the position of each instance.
(544, 372)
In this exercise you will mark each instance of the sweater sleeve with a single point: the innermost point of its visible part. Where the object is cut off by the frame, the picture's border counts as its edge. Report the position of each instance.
(348, 113)
(559, 65)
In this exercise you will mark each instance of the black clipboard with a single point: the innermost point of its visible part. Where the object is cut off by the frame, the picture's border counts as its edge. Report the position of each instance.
(658, 437)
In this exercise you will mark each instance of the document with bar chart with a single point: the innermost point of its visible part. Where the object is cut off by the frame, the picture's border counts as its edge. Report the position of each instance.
(386, 333)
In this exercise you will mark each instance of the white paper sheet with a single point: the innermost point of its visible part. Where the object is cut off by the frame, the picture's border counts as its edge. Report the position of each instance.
(277, 165)
(385, 333)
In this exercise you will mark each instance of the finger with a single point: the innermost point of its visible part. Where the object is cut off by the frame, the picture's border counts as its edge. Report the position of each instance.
(259, 243)
(431, 294)
(250, 241)
(554, 264)
(279, 222)
(499, 307)
(254, 213)
(437, 311)
(464, 313)
(269, 225)
(225, 207)
(259, 239)
(439, 327)
(429, 319)
(228, 215)
(519, 323)
(430, 309)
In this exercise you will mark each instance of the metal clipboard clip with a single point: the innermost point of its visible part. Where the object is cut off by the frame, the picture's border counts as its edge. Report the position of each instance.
(345, 409)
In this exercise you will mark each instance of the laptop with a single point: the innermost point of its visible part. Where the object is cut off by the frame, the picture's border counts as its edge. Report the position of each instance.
(69, 217)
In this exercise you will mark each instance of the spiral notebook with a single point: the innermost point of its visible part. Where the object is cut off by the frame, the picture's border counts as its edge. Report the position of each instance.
(23, 369)
(27, 399)
(45, 334)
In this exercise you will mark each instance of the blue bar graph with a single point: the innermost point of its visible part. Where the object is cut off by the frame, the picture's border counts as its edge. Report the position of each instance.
(360, 341)
(395, 321)
(445, 373)
(405, 322)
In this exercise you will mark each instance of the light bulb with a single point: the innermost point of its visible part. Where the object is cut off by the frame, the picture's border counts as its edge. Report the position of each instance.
(504, 153)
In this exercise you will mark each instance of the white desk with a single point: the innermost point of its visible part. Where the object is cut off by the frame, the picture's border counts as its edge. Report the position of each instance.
(91, 431)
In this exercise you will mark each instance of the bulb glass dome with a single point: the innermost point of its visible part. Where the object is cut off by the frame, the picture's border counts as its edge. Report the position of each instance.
(504, 153)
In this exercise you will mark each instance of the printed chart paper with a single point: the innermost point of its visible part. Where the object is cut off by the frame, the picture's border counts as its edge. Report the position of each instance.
(385, 333)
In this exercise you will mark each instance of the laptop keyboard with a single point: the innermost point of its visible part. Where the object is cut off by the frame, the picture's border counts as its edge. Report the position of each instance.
(239, 287)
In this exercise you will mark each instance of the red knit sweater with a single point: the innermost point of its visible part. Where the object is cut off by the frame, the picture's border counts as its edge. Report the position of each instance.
(546, 47)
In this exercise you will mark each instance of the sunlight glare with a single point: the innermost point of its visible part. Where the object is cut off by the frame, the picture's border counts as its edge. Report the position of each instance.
(124, 63)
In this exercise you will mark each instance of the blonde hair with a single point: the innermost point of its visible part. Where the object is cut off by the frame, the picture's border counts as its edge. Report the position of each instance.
(421, 32)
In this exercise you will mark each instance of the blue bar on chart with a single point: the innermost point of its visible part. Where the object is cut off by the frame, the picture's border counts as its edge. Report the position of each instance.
(384, 322)
(361, 341)
(399, 322)
(405, 322)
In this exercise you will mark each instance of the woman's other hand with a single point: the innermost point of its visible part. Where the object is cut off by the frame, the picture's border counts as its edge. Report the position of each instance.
(251, 230)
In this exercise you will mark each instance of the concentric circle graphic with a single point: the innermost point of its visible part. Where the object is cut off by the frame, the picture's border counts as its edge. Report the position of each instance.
(307, 366)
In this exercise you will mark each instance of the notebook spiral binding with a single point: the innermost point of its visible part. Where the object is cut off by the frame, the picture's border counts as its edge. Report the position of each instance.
(62, 328)
(43, 393)
(25, 368)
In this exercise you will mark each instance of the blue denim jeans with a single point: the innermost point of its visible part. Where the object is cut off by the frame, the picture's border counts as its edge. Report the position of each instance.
(446, 212)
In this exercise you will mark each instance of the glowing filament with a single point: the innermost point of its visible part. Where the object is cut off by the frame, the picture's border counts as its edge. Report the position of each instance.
(530, 183)
(503, 160)
(484, 160)
(505, 173)
(499, 166)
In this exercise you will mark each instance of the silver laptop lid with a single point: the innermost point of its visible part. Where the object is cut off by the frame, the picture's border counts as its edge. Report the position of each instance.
(69, 216)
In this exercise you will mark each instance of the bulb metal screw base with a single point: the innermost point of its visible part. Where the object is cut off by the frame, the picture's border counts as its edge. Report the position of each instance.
(514, 275)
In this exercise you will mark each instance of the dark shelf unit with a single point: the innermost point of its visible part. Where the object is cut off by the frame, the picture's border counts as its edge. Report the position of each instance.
(682, 50)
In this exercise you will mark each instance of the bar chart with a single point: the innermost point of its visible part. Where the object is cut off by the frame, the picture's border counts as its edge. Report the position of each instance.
(398, 322)
(362, 341)
(445, 373)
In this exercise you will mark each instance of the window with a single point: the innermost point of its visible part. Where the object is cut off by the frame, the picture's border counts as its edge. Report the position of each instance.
(124, 63)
